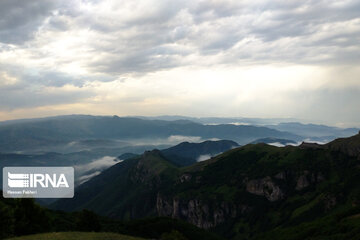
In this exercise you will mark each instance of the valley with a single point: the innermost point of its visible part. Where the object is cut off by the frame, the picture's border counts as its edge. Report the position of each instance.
(269, 187)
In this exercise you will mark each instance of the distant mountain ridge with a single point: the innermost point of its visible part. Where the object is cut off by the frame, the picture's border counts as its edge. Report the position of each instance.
(314, 130)
(45, 133)
(273, 140)
(222, 120)
(75, 159)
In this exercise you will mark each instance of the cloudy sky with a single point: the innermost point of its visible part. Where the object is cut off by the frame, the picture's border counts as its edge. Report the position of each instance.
(251, 58)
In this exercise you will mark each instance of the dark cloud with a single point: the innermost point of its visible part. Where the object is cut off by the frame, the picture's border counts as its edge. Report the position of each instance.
(47, 78)
(302, 18)
(295, 32)
(58, 23)
(108, 39)
(20, 19)
(140, 60)
(28, 97)
(28, 89)
(55, 79)
(133, 36)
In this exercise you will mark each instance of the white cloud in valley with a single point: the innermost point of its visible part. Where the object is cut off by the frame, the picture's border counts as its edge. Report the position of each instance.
(94, 168)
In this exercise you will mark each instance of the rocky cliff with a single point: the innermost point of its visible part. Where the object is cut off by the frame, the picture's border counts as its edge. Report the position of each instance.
(245, 190)
(201, 213)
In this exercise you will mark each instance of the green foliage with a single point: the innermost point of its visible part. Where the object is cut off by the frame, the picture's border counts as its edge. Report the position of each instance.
(29, 217)
(332, 183)
(87, 221)
(323, 205)
(173, 235)
(7, 221)
(307, 207)
(185, 154)
(21, 217)
(159, 227)
(76, 236)
(319, 229)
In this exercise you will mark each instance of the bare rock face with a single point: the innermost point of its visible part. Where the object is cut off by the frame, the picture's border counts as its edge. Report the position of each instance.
(303, 182)
(144, 176)
(349, 146)
(281, 176)
(307, 179)
(265, 187)
(197, 211)
(330, 202)
(185, 177)
(305, 145)
(164, 208)
(144, 173)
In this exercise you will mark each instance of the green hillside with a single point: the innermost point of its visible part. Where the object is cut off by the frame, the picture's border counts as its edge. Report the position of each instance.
(185, 153)
(251, 192)
(23, 217)
(127, 189)
(76, 236)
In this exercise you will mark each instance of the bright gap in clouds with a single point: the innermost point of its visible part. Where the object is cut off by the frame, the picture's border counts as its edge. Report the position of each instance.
(256, 91)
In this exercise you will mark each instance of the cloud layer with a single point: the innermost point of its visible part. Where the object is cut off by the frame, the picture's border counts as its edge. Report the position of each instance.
(94, 168)
(222, 58)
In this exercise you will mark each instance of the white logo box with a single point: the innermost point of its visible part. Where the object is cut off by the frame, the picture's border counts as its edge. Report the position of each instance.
(38, 182)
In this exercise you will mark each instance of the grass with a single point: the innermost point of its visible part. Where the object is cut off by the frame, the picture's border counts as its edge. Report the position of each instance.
(306, 207)
(76, 236)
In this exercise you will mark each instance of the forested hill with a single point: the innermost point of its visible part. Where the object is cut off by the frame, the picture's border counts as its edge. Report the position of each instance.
(252, 192)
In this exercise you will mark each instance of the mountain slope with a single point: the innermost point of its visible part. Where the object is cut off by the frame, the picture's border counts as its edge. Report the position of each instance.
(23, 217)
(186, 153)
(127, 189)
(244, 193)
(84, 162)
(349, 146)
(76, 236)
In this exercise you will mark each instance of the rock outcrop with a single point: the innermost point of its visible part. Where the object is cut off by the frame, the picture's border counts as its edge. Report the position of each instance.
(306, 179)
(304, 145)
(349, 146)
(144, 172)
(185, 177)
(200, 213)
(265, 187)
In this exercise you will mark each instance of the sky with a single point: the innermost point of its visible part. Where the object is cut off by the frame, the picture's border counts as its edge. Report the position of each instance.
(223, 58)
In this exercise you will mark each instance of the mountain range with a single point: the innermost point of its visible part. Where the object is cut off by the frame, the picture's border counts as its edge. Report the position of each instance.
(90, 163)
(255, 191)
(295, 126)
(314, 131)
(55, 134)
(74, 133)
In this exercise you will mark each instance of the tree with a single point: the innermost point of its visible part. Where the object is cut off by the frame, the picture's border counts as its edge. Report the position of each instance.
(87, 221)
